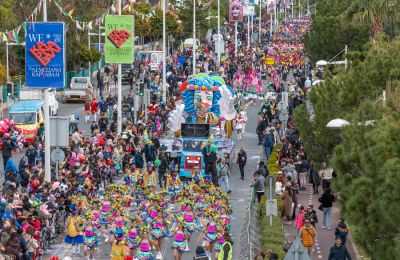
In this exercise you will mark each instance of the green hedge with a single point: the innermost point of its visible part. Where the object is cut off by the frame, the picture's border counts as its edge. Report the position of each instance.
(272, 238)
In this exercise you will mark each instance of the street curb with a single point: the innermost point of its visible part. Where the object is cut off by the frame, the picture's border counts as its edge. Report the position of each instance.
(357, 254)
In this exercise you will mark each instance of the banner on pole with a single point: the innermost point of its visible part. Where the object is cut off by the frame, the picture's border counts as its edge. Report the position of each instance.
(45, 55)
(119, 40)
(235, 12)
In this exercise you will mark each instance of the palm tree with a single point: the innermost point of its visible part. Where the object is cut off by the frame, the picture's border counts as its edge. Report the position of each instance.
(372, 13)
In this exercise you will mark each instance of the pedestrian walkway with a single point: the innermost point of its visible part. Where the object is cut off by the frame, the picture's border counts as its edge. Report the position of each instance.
(325, 237)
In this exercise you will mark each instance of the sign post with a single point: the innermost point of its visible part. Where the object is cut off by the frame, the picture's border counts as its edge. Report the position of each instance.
(272, 204)
(45, 67)
(236, 15)
(119, 48)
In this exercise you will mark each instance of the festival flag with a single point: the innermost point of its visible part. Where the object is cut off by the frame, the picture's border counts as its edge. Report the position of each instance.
(78, 26)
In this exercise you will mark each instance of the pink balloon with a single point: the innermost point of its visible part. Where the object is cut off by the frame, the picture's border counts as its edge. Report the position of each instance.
(55, 185)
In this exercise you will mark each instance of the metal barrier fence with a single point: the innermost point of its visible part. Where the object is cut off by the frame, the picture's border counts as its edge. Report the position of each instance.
(249, 240)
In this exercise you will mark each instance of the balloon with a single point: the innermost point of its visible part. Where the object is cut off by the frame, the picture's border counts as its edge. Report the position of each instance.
(201, 75)
(157, 162)
(183, 87)
(213, 148)
(219, 79)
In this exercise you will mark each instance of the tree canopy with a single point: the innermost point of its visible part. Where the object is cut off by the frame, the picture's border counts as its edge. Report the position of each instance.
(329, 35)
(365, 157)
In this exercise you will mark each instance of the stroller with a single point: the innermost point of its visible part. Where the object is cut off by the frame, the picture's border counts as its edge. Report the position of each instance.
(201, 254)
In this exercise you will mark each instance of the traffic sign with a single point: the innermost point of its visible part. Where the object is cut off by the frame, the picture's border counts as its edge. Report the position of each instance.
(57, 155)
(272, 207)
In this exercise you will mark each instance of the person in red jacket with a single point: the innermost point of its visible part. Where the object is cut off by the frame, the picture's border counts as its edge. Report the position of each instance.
(94, 107)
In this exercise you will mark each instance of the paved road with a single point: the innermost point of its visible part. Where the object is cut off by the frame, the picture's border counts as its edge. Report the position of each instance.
(325, 238)
(239, 199)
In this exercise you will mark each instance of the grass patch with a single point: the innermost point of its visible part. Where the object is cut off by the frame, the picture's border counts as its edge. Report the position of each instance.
(272, 237)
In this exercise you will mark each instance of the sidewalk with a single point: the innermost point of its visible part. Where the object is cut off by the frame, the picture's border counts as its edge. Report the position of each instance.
(325, 238)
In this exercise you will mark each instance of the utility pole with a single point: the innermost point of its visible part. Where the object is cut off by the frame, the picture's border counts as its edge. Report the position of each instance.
(164, 57)
(47, 168)
(119, 84)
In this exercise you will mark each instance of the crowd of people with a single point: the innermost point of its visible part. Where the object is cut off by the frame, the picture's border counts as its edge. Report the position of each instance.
(124, 189)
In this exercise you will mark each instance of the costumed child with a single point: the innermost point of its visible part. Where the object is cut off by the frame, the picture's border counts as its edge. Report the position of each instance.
(105, 217)
(189, 224)
(119, 250)
(144, 251)
(173, 182)
(158, 233)
(90, 236)
(74, 235)
(150, 177)
(209, 233)
(133, 236)
(178, 246)
(220, 240)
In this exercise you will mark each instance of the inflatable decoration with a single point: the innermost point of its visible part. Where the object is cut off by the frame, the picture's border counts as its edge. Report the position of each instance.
(201, 98)
(176, 118)
(227, 103)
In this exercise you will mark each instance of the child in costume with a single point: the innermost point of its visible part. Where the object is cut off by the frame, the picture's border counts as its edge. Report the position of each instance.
(90, 237)
(178, 246)
(220, 241)
(119, 249)
(158, 233)
(173, 183)
(144, 251)
(105, 217)
(74, 235)
(210, 234)
(189, 224)
(133, 237)
(150, 177)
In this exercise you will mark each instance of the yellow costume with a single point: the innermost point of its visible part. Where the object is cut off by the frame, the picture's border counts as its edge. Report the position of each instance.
(119, 250)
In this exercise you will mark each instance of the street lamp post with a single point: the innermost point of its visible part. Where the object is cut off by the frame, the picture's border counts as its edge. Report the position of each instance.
(218, 39)
(164, 56)
(194, 39)
(119, 84)
(259, 23)
(236, 43)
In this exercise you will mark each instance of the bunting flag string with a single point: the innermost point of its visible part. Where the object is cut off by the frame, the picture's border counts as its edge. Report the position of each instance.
(13, 35)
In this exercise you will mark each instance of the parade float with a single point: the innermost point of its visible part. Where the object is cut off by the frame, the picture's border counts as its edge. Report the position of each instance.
(204, 112)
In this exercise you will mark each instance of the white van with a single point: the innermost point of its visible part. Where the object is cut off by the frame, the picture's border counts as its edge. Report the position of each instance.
(37, 94)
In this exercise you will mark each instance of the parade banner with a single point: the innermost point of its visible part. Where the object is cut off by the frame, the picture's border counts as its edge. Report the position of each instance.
(45, 55)
(119, 39)
(235, 12)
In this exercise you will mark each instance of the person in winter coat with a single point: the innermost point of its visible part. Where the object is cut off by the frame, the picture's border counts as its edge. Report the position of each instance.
(7, 149)
(31, 154)
(341, 231)
(314, 178)
(241, 161)
(149, 152)
(103, 123)
(139, 162)
(299, 222)
(311, 215)
(327, 200)
(287, 204)
(303, 170)
(258, 183)
(268, 143)
(339, 251)
(162, 169)
(307, 236)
